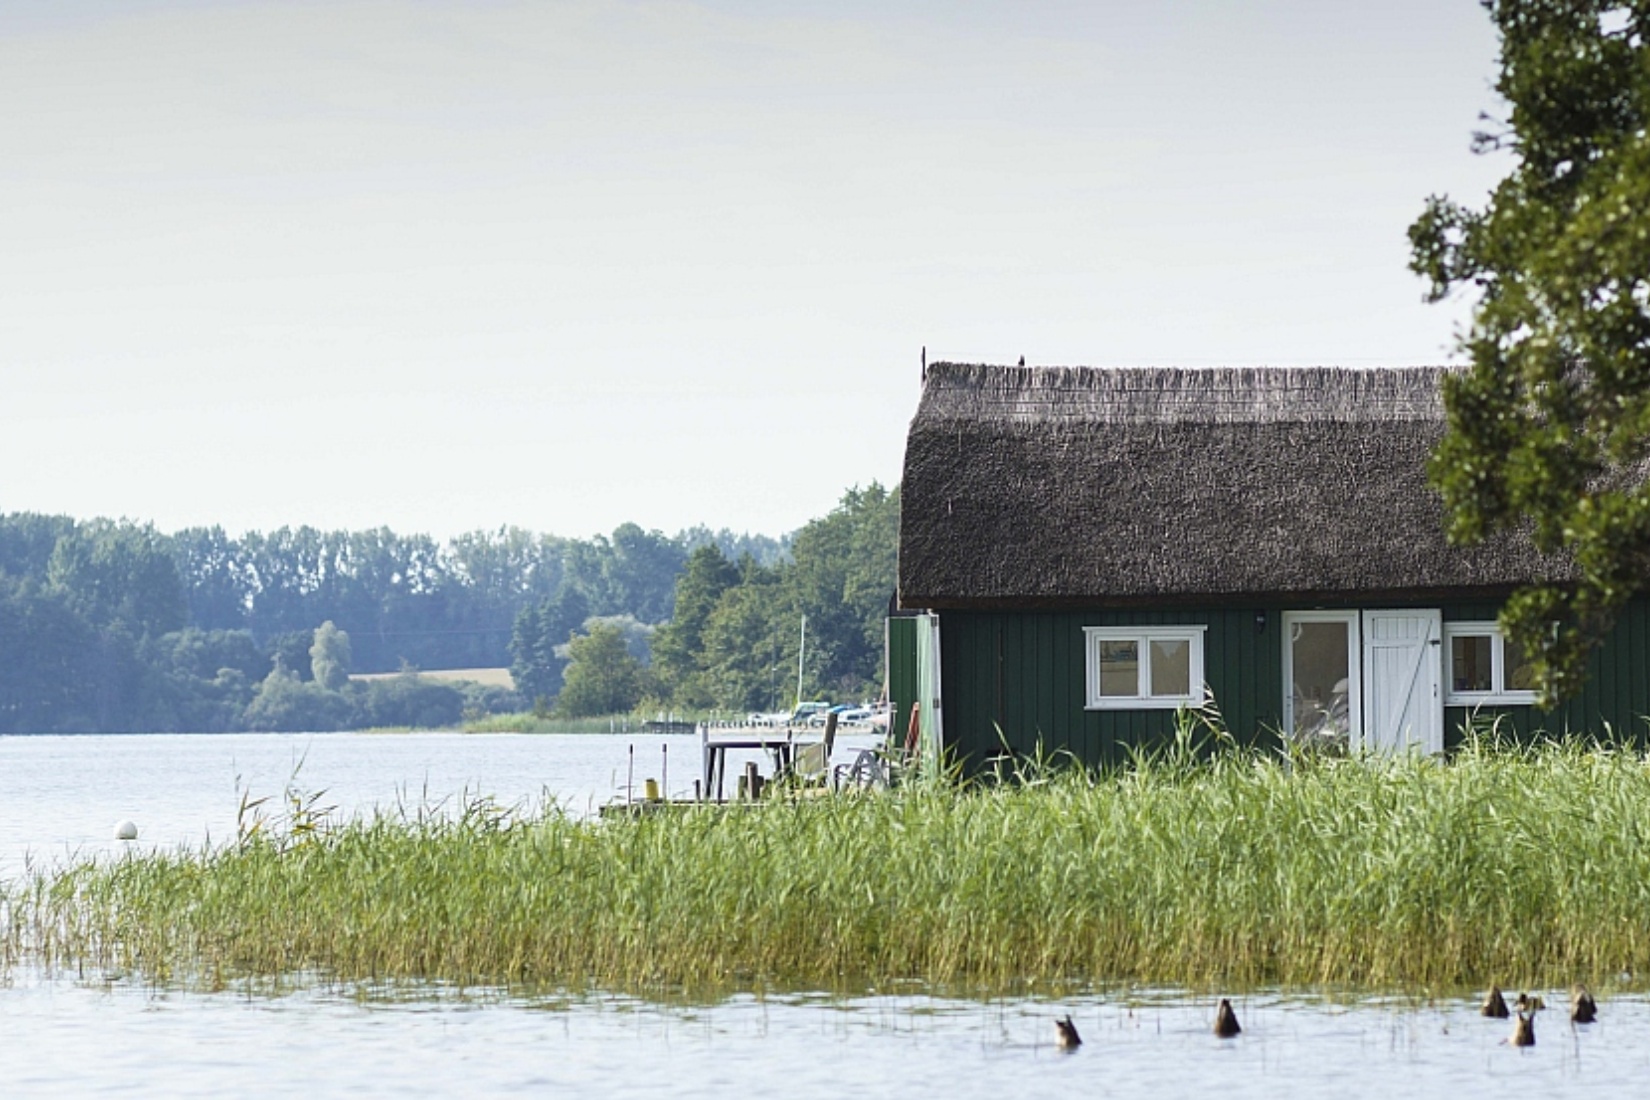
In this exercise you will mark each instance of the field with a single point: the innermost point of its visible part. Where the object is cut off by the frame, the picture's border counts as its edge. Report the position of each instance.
(492, 677)
(1522, 867)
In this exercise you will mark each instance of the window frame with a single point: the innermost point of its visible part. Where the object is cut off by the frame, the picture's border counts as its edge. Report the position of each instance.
(1143, 636)
(1499, 694)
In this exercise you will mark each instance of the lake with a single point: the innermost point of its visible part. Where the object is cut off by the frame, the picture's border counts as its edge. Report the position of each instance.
(91, 1033)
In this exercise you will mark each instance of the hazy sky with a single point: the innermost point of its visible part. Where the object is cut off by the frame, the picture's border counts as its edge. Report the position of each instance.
(446, 266)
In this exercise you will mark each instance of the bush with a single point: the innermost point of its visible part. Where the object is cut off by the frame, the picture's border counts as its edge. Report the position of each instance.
(409, 700)
(285, 702)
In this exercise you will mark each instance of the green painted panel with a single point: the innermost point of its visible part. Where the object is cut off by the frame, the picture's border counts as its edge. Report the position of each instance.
(902, 675)
(1613, 701)
(1037, 700)
(1023, 673)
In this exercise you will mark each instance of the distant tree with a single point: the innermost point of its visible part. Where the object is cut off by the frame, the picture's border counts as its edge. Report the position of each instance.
(1552, 423)
(638, 636)
(642, 572)
(201, 654)
(120, 573)
(27, 540)
(749, 650)
(411, 700)
(536, 666)
(634, 572)
(763, 549)
(290, 652)
(49, 661)
(285, 703)
(678, 646)
(841, 577)
(528, 674)
(329, 657)
(216, 580)
(603, 677)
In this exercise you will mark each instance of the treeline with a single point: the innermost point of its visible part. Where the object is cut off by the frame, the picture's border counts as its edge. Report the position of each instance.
(113, 626)
(735, 637)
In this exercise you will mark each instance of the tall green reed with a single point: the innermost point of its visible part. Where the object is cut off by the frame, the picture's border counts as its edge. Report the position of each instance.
(1196, 864)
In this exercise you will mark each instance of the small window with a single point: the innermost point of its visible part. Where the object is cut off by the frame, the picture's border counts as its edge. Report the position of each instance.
(1484, 667)
(1144, 667)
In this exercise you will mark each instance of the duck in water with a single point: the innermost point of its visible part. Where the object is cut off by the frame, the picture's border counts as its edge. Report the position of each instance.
(1065, 1035)
(1524, 1031)
(1226, 1024)
(1495, 1005)
(1583, 1009)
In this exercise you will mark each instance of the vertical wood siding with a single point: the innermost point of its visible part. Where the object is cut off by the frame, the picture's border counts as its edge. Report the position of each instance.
(903, 683)
(1023, 674)
(1015, 680)
(1614, 701)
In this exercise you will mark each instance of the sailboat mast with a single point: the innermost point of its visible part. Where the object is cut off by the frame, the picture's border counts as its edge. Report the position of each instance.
(801, 652)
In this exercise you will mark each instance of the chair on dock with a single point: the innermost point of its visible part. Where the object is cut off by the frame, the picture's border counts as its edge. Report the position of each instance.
(812, 763)
(870, 768)
(880, 767)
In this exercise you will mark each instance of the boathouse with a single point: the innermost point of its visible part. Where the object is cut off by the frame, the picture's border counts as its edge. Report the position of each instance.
(1092, 549)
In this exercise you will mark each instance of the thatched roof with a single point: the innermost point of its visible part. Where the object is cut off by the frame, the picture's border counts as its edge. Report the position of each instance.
(1052, 486)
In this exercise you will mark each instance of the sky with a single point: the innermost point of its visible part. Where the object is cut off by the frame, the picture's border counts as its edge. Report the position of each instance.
(451, 266)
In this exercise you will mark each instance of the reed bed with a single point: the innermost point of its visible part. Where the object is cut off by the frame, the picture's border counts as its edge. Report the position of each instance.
(1526, 867)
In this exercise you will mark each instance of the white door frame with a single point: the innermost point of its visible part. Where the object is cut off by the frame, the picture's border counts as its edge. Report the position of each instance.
(1354, 667)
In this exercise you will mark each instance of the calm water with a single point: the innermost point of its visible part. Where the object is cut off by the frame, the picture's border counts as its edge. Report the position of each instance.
(68, 1034)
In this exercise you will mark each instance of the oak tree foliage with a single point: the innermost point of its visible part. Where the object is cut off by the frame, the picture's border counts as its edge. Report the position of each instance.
(1548, 431)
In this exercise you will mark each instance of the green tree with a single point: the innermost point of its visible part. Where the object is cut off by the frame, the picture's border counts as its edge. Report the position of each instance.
(678, 645)
(120, 573)
(603, 677)
(329, 657)
(1551, 425)
(750, 640)
(285, 703)
(49, 663)
(842, 577)
(27, 540)
(215, 578)
(540, 631)
(530, 677)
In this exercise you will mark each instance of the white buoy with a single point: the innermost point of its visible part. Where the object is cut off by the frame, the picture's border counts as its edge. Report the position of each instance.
(126, 830)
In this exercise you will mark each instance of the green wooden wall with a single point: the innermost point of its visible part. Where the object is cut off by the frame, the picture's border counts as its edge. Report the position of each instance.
(1615, 700)
(1016, 680)
(902, 676)
(1023, 674)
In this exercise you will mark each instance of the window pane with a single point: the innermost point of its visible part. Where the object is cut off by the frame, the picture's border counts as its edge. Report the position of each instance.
(1171, 667)
(1469, 656)
(1120, 668)
(1321, 669)
(1520, 673)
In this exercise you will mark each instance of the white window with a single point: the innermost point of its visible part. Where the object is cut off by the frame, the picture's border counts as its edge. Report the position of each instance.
(1482, 666)
(1144, 667)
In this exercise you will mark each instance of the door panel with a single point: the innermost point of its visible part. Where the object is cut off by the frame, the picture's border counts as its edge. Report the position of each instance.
(1403, 671)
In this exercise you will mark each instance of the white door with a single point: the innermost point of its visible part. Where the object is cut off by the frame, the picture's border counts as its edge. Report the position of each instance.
(1403, 674)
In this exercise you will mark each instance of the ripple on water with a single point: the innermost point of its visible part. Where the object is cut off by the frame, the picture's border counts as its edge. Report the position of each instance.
(68, 1035)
